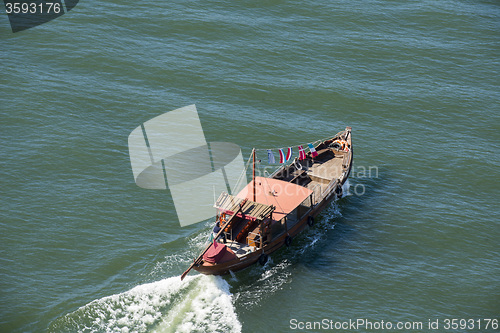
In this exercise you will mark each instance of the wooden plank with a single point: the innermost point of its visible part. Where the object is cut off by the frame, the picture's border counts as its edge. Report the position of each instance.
(254, 209)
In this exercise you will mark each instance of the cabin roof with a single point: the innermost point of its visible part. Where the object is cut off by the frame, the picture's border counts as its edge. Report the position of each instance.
(283, 195)
(231, 204)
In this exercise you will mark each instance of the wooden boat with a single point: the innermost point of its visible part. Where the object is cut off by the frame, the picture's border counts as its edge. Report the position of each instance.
(270, 211)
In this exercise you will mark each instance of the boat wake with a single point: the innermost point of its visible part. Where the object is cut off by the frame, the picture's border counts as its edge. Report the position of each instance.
(197, 304)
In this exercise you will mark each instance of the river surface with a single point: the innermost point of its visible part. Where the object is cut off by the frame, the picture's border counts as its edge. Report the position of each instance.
(414, 242)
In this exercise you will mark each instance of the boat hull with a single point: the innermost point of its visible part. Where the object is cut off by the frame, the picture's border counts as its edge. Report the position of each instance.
(233, 265)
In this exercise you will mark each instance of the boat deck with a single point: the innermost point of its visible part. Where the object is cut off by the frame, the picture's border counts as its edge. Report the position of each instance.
(240, 249)
(325, 172)
(322, 173)
(317, 174)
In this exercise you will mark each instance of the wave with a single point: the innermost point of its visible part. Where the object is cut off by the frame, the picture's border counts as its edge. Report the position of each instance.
(197, 304)
(345, 188)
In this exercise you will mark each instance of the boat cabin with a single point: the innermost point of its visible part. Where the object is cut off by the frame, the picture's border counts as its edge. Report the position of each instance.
(277, 207)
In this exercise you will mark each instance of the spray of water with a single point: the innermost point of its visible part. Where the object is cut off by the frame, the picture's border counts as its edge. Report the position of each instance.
(197, 304)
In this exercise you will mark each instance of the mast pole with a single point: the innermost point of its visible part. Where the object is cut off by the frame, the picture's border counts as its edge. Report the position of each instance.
(253, 174)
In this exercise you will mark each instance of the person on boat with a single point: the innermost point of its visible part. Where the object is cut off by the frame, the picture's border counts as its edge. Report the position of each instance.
(216, 228)
(218, 224)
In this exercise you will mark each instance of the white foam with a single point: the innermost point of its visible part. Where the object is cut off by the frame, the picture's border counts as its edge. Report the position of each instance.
(345, 188)
(208, 307)
(197, 304)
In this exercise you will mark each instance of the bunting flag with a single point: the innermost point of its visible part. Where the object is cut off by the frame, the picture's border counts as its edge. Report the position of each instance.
(270, 157)
(302, 153)
(314, 153)
(282, 156)
(289, 154)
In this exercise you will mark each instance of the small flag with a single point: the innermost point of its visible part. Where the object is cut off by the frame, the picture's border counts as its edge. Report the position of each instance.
(282, 156)
(314, 153)
(302, 153)
(270, 157)
(289, 154)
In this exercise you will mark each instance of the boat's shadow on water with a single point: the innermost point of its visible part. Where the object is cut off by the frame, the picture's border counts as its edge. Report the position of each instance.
(316, 249)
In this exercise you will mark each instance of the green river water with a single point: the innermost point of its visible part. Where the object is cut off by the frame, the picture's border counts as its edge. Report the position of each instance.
(415, 243)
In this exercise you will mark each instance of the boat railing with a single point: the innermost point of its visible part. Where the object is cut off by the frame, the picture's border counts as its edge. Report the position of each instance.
(305, 207)
(329, 189)
(301, 211)
(315, 194)
(346, 160)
